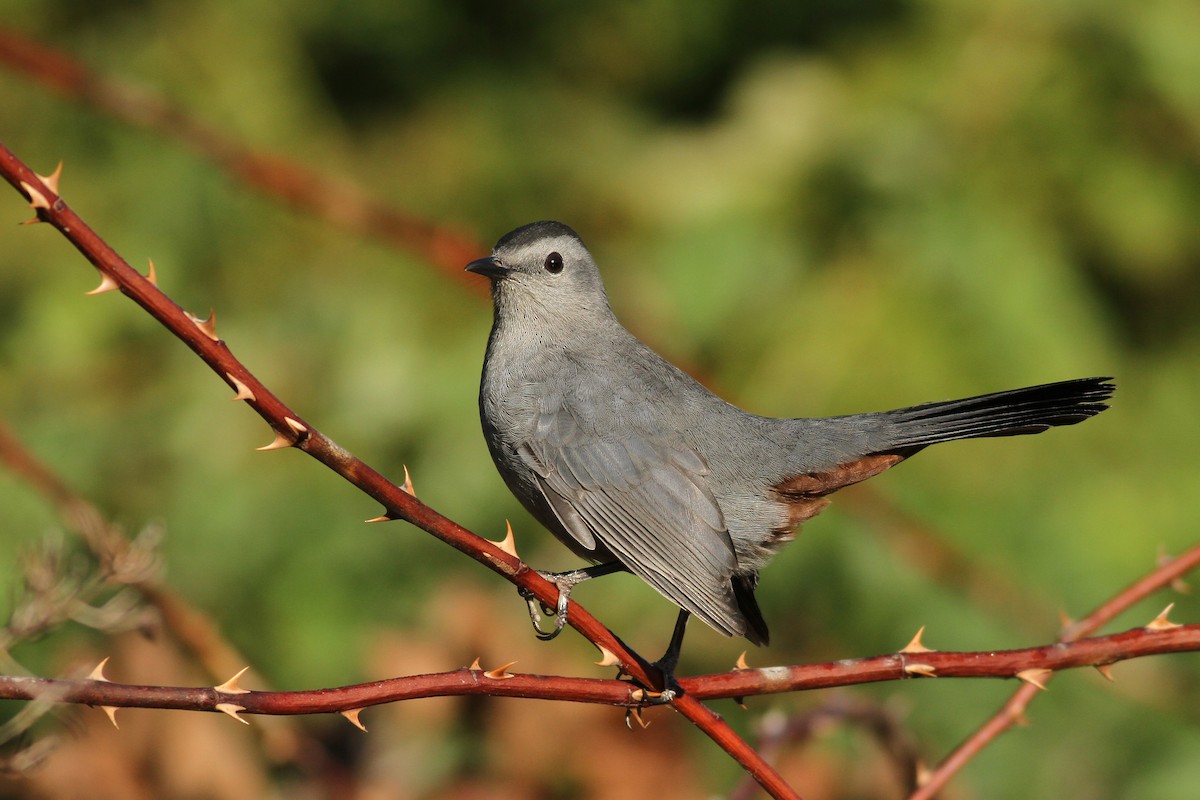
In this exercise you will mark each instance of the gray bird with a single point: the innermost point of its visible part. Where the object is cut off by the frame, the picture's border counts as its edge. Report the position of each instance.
(635, 465)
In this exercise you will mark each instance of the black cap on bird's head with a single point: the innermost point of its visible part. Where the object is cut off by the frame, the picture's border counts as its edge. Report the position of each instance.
(517, 242)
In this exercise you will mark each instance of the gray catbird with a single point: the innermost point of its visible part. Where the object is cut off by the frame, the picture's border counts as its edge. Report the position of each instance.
(633, 464)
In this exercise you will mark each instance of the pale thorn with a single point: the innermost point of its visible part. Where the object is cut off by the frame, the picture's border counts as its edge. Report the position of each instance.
(352, 715)
(1105, 670)
(1161, 623)
(232, 710)
(98, 673)
(243, 391)
(31, 221)
(112, 714)
(1017, 715)
(383, 518)
(475, 666)
(640, 695)
(928, 670)
(741, 664)
(231, 686)
(280, 442)
(207, 326)
(924, 773)
(51, 180)
(1035, 676)
(509, 543)
(151, 275)
(500, 673)
(407, 486)
(1181, 586)
(107, 284)
(1064, 619)
(607, 658)
(36, 198)
(915, 646)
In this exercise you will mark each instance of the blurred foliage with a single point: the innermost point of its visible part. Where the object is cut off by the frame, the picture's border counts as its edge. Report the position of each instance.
(820, 207)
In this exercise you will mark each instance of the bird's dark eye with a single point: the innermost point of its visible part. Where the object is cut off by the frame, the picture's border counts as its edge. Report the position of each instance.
(554, 263)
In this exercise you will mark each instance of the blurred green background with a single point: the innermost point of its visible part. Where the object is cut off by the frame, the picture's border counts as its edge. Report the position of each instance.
(819, 207)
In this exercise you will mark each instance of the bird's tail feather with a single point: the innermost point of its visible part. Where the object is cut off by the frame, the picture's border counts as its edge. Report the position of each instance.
(1017, 411)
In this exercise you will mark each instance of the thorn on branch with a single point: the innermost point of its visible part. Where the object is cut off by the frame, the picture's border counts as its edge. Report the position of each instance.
(741, 664)
(499, 673)
(915, 645)
(351, 714)
(1161, 623)
(151, 275)
(207, 326)
(97, 674)
(926, 670)
(243, 391)
(509, 543)
(1035, 677)
(37, 200)
(232, 710)
(107, 284)
(51, 180)
(607, 658)
(231, 686)
(407, 486)
(282, 441)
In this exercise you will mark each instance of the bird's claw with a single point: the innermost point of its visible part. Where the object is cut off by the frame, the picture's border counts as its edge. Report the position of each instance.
(565, 581)
(560, 613)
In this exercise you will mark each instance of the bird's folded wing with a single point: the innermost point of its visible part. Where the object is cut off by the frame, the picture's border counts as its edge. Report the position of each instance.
(648, 504)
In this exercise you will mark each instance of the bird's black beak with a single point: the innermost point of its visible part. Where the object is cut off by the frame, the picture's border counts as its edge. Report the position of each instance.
(489, 267)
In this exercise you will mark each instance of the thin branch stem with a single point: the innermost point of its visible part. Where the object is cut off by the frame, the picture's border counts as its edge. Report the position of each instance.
(334, 200)
(193, 629)
(1013, 710)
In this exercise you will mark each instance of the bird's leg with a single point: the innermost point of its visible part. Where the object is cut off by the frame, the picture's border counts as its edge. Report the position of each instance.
(670, 659)
(566, 582)
(666, 667)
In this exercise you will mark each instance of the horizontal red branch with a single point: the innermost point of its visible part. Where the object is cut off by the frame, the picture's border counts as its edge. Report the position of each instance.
(740, 683)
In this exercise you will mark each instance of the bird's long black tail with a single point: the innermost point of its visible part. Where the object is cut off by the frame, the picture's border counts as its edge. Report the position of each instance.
(1017, 411)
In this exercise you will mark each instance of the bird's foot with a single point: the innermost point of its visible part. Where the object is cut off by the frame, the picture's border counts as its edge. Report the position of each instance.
(670, 659)
(566, 582)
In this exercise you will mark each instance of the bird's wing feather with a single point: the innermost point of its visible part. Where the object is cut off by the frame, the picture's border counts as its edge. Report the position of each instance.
(648, 503)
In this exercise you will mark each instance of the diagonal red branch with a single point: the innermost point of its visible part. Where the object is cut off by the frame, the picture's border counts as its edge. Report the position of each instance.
(292, 430)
